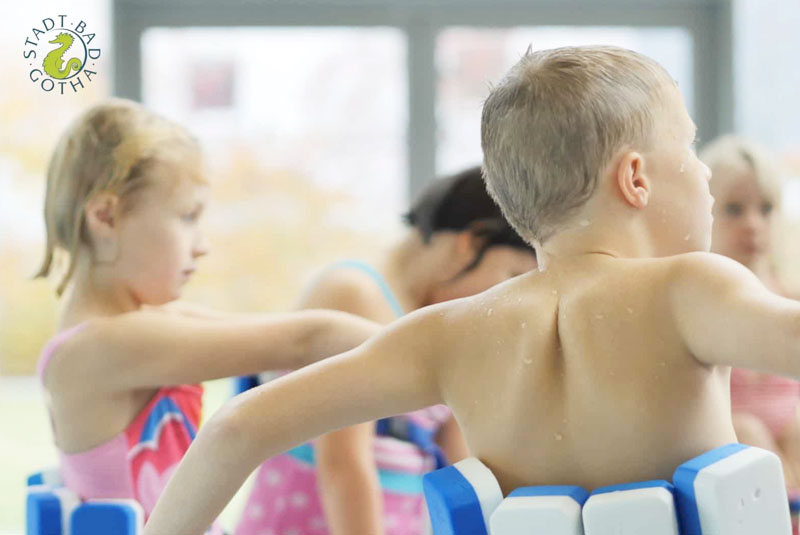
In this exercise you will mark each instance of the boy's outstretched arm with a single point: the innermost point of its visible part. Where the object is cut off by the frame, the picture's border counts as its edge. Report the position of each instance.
(726, 316)
(394, 372)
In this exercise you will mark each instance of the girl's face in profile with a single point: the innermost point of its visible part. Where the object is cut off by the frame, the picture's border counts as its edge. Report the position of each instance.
(161, 240)
(742, 217)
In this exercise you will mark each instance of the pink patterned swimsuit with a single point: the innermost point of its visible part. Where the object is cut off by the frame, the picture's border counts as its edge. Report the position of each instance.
(138, 462)
(285, 498)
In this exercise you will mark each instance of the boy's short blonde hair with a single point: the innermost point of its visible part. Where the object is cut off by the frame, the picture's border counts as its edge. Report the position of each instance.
(729, 156)
(112, 147)
(553, 124)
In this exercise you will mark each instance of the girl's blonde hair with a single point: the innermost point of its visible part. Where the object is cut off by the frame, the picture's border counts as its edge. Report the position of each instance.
(729, 156)
(112, 147)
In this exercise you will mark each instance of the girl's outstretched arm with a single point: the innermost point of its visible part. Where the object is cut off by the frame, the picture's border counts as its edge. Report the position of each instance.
(146, 349)
(395, 372)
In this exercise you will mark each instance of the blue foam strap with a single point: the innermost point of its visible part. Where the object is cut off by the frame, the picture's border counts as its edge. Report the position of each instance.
(42, 512)
(453, 504)
(106, 518)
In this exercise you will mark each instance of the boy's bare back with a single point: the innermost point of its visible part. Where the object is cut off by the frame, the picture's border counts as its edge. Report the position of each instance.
(579, 375)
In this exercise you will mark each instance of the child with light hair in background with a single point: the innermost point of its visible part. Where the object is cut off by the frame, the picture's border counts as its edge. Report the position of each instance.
(747, 190)
(125, 193)
(610, 364)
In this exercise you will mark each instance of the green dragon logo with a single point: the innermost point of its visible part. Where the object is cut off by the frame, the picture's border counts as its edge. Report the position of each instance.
(70, 64)
(53, 61)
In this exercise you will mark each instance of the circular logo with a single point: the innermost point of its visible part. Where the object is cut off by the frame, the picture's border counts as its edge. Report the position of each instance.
(59, 54)
(67, 55)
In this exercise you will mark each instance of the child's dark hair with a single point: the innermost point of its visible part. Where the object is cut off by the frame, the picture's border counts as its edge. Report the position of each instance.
(461, 202)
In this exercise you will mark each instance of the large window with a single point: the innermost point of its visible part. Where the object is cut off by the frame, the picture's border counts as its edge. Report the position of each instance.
(304, 130)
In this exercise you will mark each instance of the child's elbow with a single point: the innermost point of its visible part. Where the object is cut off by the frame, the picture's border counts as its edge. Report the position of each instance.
(229, 430)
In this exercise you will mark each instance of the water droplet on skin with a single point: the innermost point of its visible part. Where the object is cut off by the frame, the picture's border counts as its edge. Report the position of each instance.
(519, 300)
(564, 420)
(558, 436)
(554, 292)
(662, 364)
(527, 361)
(686, 238)
(523, 324)
(630, 310)
(585, 222)
(489, 312)
(683, 168)
(599, 316)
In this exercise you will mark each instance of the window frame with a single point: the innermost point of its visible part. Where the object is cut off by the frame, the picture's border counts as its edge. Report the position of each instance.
(709, 22)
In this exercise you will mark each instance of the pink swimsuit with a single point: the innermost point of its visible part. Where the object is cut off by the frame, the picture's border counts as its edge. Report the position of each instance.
(770, 398)
(285, 497)
(138, 462)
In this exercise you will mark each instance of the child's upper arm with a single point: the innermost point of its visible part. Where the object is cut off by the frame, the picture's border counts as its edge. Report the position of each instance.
(726, 316)
(149, 349)
(392, 373)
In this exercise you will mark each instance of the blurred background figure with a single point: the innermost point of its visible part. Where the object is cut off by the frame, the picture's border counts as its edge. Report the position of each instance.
(746, 184)
(351, 481)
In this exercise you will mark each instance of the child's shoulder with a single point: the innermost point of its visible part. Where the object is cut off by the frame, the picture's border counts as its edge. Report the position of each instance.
(94, 335)
(705, 267)
(343, 288)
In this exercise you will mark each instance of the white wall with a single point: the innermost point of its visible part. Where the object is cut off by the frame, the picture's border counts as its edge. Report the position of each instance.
(767, 71)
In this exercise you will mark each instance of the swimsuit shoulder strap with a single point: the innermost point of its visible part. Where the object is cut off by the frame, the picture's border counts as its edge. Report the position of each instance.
(394, 303)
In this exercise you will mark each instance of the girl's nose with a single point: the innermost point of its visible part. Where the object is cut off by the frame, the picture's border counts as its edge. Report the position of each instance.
(201, 247)
(754, 220)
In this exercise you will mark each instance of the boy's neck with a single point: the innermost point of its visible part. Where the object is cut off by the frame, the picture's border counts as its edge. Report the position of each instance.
(593, 235)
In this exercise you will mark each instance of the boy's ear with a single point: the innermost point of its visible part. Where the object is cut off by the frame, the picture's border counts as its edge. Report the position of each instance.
(632, 181)
(102, 221)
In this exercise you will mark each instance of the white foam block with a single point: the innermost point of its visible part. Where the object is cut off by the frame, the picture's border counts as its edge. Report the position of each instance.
(554, 510)
(635, 509)
(483, 483)
(742, 492)
(461, 498)
(69, 502)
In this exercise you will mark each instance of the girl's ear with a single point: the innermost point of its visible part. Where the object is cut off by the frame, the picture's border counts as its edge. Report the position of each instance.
(102, 221)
